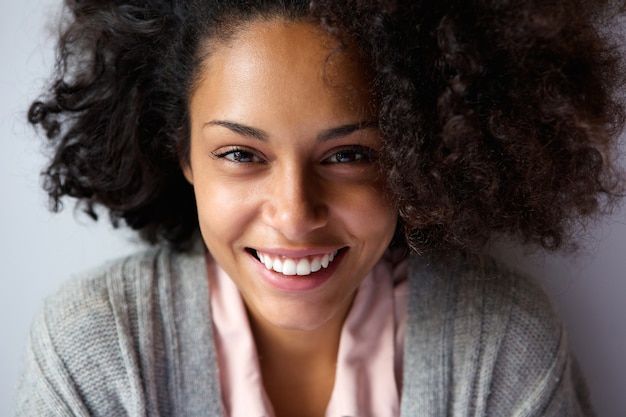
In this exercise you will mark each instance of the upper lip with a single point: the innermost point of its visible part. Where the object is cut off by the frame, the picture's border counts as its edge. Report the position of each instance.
(298, 253)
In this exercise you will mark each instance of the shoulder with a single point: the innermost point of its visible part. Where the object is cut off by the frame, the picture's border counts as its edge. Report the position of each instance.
(481, 295)
(119, 288)
(84, 352)
(483, 291)
(87, 305)
(500, 341)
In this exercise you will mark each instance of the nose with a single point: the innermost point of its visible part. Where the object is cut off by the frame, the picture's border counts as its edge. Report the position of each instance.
(295, 203)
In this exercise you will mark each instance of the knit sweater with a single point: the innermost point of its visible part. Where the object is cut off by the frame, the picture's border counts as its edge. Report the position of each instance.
(135, 339)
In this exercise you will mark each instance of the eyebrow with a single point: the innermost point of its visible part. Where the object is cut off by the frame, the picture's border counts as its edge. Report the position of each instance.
(329, 134)
(240, 129)
(345, 130)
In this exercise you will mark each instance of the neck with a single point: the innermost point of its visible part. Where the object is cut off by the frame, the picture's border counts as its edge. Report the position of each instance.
(298, 366)
(276, 345)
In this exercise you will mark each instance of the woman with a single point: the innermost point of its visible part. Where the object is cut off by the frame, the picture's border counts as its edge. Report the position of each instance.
(344, 165)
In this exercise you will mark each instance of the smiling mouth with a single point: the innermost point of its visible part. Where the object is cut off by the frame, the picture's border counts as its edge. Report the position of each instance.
(294, 266)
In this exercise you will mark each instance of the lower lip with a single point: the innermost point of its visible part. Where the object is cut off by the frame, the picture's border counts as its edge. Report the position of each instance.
(297, 283)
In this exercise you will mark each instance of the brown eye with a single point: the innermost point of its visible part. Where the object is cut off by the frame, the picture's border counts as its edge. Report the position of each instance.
(345, 156)
(239, 155)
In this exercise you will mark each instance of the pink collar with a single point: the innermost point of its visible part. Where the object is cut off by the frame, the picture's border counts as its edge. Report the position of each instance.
(369, 360)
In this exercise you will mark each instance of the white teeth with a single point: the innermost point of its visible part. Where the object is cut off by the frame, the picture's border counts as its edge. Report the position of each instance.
(325, 261)
(277, 265)
(289, 267)
(316, 265)
(292, 266)
(303, 267)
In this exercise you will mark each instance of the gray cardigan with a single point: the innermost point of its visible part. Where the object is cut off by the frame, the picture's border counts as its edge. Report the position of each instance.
(135, 339)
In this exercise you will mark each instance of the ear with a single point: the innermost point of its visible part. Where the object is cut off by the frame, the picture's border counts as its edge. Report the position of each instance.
(185, 166)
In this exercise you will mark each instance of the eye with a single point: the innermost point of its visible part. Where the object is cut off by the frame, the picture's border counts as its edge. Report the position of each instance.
(238, 155)
(354, 154)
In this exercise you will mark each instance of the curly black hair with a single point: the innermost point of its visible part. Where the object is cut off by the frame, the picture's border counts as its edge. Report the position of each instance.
(497, 116)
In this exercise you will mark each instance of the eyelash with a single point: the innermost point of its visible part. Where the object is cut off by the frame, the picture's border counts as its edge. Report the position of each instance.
(364, 153)
(241, 151)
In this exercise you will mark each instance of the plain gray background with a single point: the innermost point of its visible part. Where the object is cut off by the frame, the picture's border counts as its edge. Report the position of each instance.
(39, 250)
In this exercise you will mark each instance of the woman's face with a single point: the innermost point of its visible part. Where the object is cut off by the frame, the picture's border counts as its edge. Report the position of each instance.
(283, 164)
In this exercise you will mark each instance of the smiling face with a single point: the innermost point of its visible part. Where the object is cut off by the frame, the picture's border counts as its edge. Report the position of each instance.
(283, 163)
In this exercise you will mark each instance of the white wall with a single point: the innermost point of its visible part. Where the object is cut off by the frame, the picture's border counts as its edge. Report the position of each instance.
(39, 250)
(589, 292)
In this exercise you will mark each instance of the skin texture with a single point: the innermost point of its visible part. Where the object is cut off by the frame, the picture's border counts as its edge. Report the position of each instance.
(274, 168)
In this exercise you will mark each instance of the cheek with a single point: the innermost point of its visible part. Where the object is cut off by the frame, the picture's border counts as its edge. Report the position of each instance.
(370, 215)
(224, 209)
(383, 227)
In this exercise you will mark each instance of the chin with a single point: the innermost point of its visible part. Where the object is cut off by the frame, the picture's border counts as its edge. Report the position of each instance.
(302, 317)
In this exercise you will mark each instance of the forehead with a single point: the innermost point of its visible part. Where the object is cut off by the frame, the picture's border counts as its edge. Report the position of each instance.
(292, 43)
(284, 59)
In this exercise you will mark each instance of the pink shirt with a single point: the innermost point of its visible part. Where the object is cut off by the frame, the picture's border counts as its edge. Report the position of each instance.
(369, 361)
